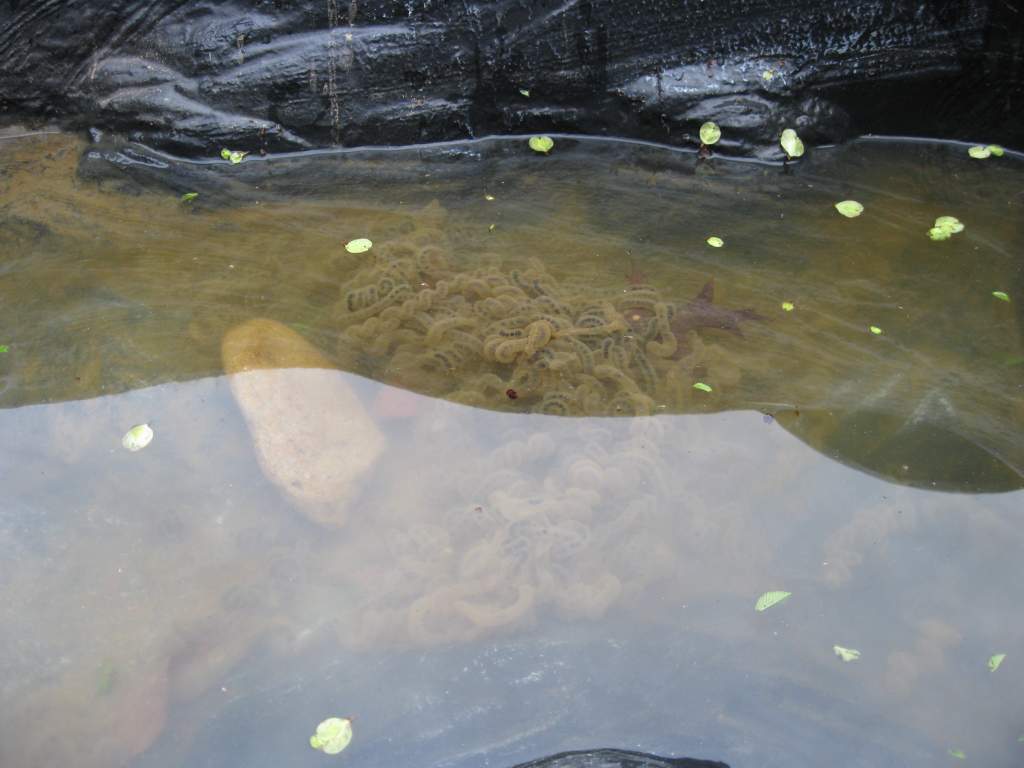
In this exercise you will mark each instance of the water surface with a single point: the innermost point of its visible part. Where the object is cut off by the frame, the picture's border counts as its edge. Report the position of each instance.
(561, 540)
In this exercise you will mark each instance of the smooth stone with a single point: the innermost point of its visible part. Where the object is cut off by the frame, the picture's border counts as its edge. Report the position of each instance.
(312, 435)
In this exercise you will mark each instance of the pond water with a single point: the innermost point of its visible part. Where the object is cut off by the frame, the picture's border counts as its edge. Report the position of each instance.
(462, 488)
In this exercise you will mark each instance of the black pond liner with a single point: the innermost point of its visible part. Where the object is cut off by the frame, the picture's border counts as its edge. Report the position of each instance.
(513, 702)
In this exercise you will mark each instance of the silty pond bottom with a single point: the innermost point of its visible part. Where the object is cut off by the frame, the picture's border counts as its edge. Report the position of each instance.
(511, 481)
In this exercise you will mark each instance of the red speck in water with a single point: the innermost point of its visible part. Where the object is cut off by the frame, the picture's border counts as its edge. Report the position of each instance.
(512, 394)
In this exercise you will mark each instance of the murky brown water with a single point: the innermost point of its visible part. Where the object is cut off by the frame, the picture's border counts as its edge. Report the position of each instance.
(483, 435)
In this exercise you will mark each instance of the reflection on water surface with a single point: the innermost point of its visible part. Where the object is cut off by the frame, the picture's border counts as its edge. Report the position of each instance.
(365, 497)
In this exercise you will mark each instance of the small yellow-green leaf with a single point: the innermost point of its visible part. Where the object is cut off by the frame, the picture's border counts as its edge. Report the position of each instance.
(489, 198)
(846, 654)
(4, 349)
(938, 233)
(702, 386)
(715, 242)
(491, 228)
(768, 75)
(332, 735)
(995, 150)
(137, 438)
(959, 754)
(787, 306)
(188, 197)
(851, 209)
(950, 223)
(994, 661)
(1001, 295)
(541, 144)
(710, 133)
(979, 152)
(233, 156)
(791, 143)
(875, 330)
(359, 245)
(525, 92)
(768, 599)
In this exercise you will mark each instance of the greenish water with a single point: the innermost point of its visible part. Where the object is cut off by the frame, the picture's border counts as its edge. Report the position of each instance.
(516, 455)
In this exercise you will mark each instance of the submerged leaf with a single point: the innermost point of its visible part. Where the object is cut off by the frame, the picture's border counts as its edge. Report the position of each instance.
(851, 209)
(710, 133)
(715, 242)
(702, 386)
(787, 306)
(541, 144)
(768, 599)
(979, 152)
(137, 438)
(875, 330)
(846, 654)
(188, 197)
(994, 661)
(359, 245)
(791, 143)
(959, 754)
(1002, 296)
(332, 735)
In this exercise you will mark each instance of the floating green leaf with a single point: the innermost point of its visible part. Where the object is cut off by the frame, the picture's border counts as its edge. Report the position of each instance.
(359, 245)
(959, 754)
(489, 198)
(875, 330)
(768, 75)
(710, 133)
(791, 143)
(851, 209)
(188, 197)
(938, 233)
(995, 150)
(1001, 295)
(768, 599)
(3, 349)
(787, 306)
(541, 144)
(979, 152)
(952, 223)
(233, 155)
(137, 438)
(332, 735)
(525, 92)
(715, 242)
(491, 228)
(702, 386)
(994, 661)
(846, 654)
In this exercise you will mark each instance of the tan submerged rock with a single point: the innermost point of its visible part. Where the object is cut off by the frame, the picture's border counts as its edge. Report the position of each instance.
(313, 437)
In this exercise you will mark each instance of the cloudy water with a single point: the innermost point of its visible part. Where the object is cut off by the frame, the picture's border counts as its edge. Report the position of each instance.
(512, 480)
